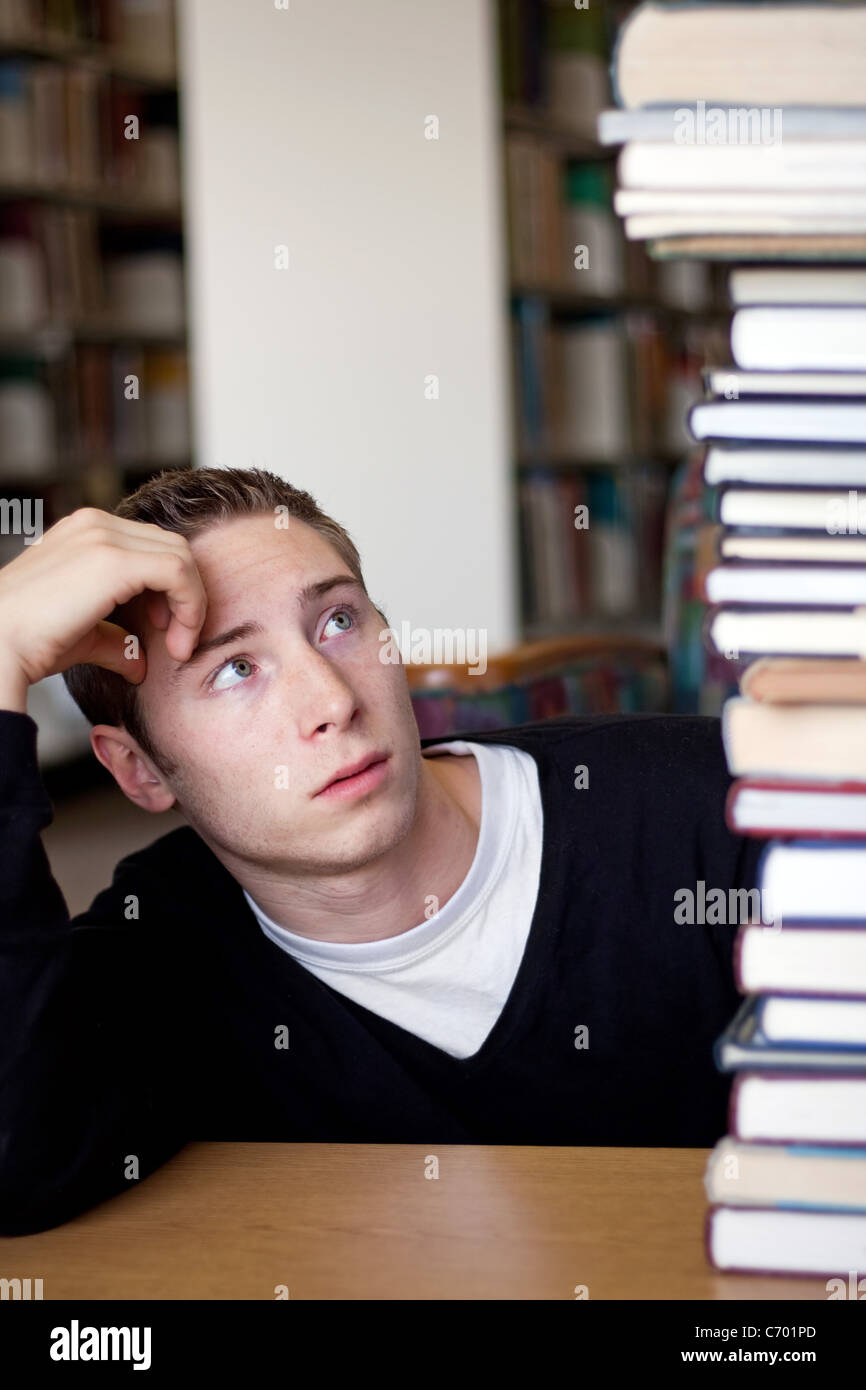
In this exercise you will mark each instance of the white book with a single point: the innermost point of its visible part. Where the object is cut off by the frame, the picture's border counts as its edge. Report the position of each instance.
(787, 1242)
(796, 811)
(773, 632)
(837, 514)
(725, 463)
(825, 1021)
(808, 165)
(787, 337)
(821, 882)
(733, 382)
(811, 1108)
(671, 224)
(629, 202)
(786, 584)
(671, 123)
(828, 961)
(595, 411)
(811, 549)
(817, 421)
(797, 284)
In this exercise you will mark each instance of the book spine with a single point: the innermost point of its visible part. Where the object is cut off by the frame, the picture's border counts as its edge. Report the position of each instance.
(616, 50)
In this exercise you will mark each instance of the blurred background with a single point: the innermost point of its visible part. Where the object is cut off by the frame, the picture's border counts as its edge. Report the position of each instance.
(371, 248)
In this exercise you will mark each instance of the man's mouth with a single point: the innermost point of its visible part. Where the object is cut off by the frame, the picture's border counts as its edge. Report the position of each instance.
(357, 777)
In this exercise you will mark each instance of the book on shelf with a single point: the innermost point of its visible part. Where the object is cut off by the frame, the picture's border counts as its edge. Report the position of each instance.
(130, 404)
(554, 58)
(93, 371)
(588, 412)
(598, 386)
(606, 569)
(65, 127)
(125, 31)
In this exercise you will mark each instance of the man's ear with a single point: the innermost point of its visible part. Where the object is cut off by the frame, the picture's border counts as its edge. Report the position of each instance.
(131, 769)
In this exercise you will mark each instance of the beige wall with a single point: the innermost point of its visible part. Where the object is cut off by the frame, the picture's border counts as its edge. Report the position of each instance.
(305, 127)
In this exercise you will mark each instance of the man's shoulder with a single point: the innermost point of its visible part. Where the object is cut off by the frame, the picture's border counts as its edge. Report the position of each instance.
(684, 740)
(176, 869)
(173, 848)
(663, 763)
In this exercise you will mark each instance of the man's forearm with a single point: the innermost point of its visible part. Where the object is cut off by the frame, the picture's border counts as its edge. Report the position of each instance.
(88, 1101)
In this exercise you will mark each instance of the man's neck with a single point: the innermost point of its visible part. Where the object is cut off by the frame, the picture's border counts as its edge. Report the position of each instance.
(403, 887)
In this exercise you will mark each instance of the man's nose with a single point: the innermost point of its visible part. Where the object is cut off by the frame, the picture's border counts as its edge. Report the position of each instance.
(320, 692)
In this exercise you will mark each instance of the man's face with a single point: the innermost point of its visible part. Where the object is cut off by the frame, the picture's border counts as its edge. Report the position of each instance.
(293, 693)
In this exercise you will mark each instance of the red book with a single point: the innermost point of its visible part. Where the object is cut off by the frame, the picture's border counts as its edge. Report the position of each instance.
(813, 810)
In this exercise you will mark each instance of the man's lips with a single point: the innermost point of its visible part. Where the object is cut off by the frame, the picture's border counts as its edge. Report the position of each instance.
(352, 770)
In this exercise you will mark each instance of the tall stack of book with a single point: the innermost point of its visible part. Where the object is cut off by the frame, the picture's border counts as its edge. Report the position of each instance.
(786, 426)
(784, 430)
(743, 129)
(790, 1179)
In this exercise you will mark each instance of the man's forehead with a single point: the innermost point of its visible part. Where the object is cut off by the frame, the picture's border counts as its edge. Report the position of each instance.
(289, 534)
(229, 552)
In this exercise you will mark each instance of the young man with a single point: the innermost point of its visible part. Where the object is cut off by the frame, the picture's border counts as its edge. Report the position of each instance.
(360, 935)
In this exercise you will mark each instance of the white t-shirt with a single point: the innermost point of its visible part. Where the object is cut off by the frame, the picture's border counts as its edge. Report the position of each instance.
(447, 979)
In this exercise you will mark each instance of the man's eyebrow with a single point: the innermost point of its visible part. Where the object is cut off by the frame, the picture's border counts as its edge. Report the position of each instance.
(222, 639)
(322, 586)
(308, 594)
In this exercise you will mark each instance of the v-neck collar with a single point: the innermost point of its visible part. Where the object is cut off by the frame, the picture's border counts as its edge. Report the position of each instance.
(527, 980)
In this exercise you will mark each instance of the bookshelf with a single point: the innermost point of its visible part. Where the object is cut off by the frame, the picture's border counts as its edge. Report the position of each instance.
(94, 392)
(94, 378)
(607, 346)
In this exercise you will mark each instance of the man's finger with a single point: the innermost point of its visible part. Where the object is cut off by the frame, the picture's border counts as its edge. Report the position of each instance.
(113, 648)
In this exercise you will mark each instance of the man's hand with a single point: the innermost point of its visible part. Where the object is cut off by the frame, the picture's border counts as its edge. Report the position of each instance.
(54, 598)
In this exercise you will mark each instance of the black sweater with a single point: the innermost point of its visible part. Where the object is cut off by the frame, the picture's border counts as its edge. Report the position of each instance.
(124, 1036)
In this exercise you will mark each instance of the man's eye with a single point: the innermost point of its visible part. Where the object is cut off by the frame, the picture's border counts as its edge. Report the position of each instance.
(350, 613)
(239, 666)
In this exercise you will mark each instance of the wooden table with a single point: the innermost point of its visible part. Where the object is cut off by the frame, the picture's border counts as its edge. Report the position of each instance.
(337, 1221)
